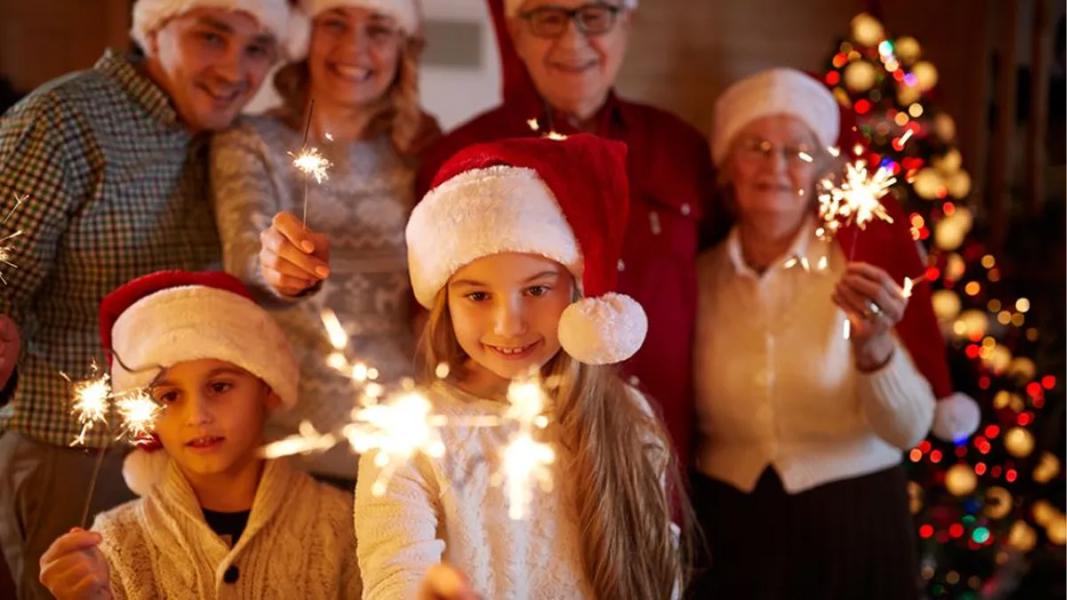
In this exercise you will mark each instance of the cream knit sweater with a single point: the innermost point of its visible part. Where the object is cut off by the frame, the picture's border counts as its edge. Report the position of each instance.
(298, 543)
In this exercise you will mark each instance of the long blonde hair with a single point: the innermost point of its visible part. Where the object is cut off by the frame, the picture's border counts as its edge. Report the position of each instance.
(622, 461)
(399, 112)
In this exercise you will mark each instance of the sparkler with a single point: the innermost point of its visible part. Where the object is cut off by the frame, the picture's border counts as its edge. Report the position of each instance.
(856, 199)
(6, 249)
(307, 439)
(138, 413)
(524, 459)
(90, 405)
(310, 161)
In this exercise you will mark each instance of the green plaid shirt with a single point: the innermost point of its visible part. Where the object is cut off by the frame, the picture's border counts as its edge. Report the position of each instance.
(116, 188)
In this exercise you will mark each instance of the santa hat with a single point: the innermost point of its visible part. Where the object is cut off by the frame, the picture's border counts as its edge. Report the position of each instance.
(779, 91)
(512, 6)
(886, 245)
(406, 13)
(165, 318)
(566, 200)
(149, 15)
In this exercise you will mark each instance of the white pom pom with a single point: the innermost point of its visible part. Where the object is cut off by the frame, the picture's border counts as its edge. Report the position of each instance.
(604, 330)
(143, 470)
(956, 418)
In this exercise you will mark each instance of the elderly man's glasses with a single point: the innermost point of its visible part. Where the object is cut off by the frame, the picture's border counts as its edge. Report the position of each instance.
(756, 149)
(591, 19)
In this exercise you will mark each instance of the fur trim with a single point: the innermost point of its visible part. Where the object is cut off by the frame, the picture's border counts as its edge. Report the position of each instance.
(604, 330)
(143, 469)
(406, 12)
(956, 418)
(779, 91)
(192, 322)
(482, 212)
(148, 15)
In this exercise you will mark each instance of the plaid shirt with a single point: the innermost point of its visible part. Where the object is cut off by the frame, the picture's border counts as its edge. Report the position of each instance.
(116, 188)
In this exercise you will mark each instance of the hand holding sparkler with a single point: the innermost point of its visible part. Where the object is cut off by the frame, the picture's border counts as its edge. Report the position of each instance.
(293, 258)
(873, 304)
(74, 568)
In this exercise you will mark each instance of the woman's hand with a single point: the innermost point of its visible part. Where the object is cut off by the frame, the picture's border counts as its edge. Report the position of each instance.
(443, 582)
(293, 258)
(874, 304)
(73, 568)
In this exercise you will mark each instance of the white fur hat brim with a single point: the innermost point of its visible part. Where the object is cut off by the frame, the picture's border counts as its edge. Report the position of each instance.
(482, 212)
(406, 12)
(511, 7)
(198, 322)
(149, 15)
(772, 92)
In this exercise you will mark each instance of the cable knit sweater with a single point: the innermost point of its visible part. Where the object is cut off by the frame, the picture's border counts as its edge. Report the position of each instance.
(446, 509)
(298, 543)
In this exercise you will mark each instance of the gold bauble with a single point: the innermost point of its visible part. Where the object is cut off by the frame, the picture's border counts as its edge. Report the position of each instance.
(949, 162)
(1023, 368)
(997, 502)
(928, 183)
(960, 479)
(959, 184)
(975, 322)
(1056, 529)
(860, 76)
(998, 358)
(1022, 537)
(867, 30)
(1047, 468)
(946, 304)
(1043, 512)
(908, 50)
(1019, 442)
(925, 74)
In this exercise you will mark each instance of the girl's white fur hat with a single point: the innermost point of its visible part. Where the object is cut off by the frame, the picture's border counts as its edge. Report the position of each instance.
(564, 200)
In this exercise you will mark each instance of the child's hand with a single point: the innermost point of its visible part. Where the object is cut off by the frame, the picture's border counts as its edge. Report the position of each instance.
(73, 568)
(442, 582)
(292, 257)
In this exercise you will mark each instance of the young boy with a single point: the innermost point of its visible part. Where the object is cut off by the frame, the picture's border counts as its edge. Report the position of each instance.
(214, 519)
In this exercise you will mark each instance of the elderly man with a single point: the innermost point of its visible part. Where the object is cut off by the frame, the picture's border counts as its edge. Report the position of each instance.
(569, 53)
(107, 169)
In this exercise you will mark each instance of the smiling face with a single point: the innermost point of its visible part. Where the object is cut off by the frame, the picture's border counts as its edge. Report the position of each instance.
(213, 415)
(770, 177)
(575, 71)
(505, 312)
(353, 56)
(210, 61)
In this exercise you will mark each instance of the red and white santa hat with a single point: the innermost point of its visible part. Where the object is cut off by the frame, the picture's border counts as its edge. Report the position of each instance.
(512, 6)
(566, 200)
(783, 91)
(168, 317)
(149, 15)
(407, 13)
(778, 91)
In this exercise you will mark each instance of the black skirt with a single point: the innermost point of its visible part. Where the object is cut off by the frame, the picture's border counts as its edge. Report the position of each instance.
(841, 540)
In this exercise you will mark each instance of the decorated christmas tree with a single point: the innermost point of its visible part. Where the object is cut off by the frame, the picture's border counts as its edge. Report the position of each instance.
(988, 509)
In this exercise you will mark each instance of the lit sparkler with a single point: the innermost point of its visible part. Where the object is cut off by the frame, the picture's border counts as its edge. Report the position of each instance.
(856, 199)
(90, 405)
(138, 412)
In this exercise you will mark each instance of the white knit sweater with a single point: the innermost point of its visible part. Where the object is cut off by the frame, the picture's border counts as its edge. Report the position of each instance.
(447, 510)
(298, 543)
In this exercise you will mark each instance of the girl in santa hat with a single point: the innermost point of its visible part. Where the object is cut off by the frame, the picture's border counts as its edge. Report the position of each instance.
(799, 485)
(214, 519)
(515, 253)
(357, 61)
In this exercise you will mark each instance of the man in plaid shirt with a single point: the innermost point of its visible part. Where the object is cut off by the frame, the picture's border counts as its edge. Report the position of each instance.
(107, 168)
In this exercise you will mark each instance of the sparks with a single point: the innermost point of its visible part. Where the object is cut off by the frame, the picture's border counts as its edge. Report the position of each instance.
(856, 200)
(90, 404)
(524, 462)
(533, 124)
(138, 413)
(337, 334)
(396, 429)
(555, 136)
(313, 164)
(307, 439)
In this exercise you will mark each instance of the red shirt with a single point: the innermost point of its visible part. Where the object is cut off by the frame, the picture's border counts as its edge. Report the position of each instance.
(671, 186)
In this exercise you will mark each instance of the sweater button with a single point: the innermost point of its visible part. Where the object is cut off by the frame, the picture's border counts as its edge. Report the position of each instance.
(232, 574)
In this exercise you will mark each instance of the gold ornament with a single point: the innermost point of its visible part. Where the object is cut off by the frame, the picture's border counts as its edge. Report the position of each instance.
(959, 184)
(950, 231)
(946, 304)
(1043, 512)
(867, 30)
(949, 162)
(860, 76)
(915, 497)
(1022, 537)
(997, 358)
(908, 50)
(997, 502)
(1056, 529)
(926, 75)
(960, 479)
(1047, 468)
(1023, 368)
(975, 323)
(1019, 442)
(945, 127)
(928, 183)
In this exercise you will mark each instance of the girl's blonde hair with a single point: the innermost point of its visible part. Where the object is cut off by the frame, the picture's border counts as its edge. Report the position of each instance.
(625, 474)
(398, 113)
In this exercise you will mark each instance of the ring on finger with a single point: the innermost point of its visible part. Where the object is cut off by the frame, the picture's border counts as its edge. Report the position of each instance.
(873, 310)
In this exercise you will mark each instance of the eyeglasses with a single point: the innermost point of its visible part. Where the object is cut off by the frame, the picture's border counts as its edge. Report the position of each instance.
(756, 149)
(591, 19)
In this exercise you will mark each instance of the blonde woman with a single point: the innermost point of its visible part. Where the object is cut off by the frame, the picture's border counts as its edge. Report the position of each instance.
(360, 68)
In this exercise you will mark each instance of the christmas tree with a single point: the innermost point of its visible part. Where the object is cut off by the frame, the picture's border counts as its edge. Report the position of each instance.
(988, 509)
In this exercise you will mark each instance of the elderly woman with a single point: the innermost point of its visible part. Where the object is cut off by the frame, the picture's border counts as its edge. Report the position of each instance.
(361, 72)
(798, 482)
